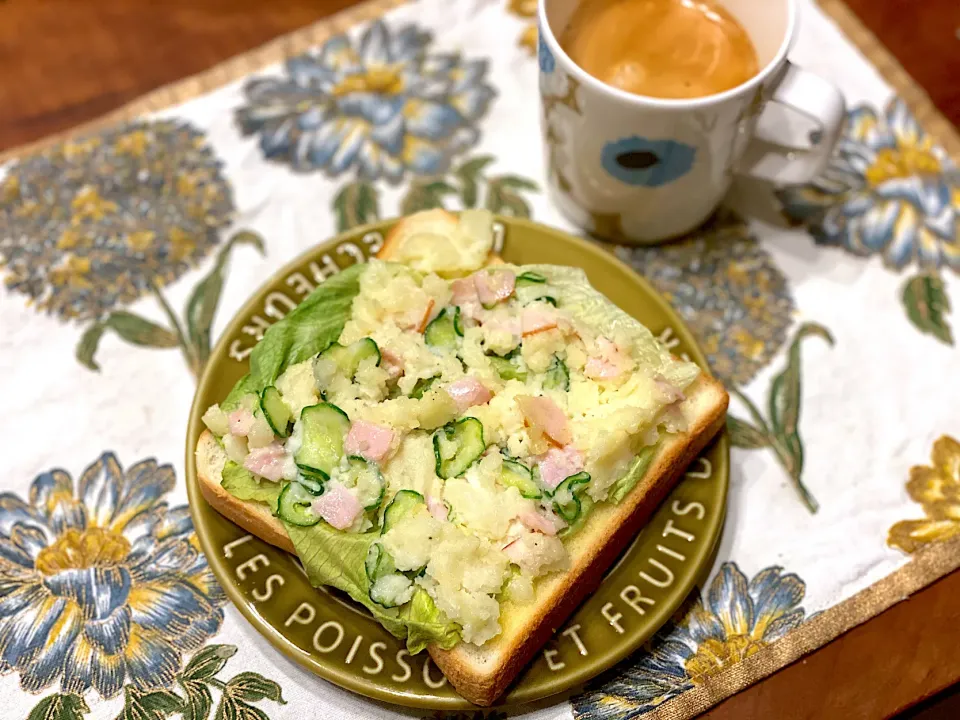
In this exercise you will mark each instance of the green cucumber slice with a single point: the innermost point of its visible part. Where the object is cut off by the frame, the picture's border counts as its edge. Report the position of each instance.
(391, 590)
(531, 278)
(378, 563)
(421, 386)
(313, 483)
(506, 369)
(457, 445)
(366, 478)
(295, 505)
(518, 475)
(324, 426)
(565, 500)
(348, 358)
(404, 504)
(557, 376)
(548, 299)
(444, 329)
(275, 411)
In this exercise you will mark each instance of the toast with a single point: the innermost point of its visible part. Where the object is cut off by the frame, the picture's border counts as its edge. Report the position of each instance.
(482, 673)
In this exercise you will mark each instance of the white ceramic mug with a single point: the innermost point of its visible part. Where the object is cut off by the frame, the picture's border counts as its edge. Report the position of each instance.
(641, 169)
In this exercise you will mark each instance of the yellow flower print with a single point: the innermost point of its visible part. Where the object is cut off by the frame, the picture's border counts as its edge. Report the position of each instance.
(526, 9)
(137, 205)
(937, 489)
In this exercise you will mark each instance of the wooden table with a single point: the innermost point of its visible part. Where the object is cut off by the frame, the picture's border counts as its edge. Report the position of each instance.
(64, 62)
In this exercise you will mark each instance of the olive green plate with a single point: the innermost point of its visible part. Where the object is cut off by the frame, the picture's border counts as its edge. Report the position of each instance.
(337, 640)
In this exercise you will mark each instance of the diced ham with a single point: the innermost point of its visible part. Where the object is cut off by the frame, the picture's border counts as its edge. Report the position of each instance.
(671, 393)
(241, 422)
(391, 362)
(535, 320)
(368, 440)
(267, 462)
(542, 414)
(464, 291)
(609, 362)
(597, 368)
(494, 286)
(467, 392)
(556, 465)
(338, 507)
(437, 508)
(540, 522)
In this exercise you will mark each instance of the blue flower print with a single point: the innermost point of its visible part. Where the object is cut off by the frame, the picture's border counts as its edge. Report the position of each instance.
(382, 105)
(544, 56)
(735, 618)
(889, 190)
(650, 163)
(101, 583)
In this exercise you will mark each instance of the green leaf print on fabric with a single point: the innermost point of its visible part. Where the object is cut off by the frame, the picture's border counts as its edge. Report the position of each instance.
(782, 432)
(928, 306)
(357, 203)
(62, 706)
(464, 186)
(193, 336)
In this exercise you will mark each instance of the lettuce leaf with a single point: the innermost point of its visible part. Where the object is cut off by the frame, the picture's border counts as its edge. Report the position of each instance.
(309, 328)
(622, 487)
(593, 307)
(335, 558)
(241, 483)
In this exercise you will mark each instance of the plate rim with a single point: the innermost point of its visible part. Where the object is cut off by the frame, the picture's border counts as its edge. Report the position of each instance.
(350, 680)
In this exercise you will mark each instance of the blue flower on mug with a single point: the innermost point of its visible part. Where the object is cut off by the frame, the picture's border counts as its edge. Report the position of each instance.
(544, 57)
(101, 583)
(650, 163)
(382, 105)
(889, 190)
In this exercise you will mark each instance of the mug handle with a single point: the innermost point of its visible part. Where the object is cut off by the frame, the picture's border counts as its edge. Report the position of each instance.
(783, 153)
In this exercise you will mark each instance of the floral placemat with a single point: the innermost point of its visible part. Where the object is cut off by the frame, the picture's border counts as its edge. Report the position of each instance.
(826, 310)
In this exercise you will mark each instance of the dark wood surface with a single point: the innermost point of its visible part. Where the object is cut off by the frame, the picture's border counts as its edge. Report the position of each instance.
(64, 62)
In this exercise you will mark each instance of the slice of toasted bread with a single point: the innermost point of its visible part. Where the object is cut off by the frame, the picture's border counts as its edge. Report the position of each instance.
(438, 223)
(481, 674)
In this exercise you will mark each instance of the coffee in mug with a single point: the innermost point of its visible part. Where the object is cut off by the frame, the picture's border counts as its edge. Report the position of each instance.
(660, 48)
(651, 107)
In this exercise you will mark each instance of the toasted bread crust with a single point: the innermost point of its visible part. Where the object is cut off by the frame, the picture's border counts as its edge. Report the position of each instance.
(255, 518)
(557, 601)
(410, 223)
(481, 675)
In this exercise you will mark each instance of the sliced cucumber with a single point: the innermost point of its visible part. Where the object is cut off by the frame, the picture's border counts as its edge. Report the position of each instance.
(444, 329)
(366, 478)
(275, 411)
(404, 504)
(548, 299)
(378, 563)
(531, 278)
(507, 369)
(295, 505)
(324, 426)
(313, 483)
(557, 376)
(421, 386)
(518, 475)
(348, 358)
(392, 590)
(457, 445)
(565, 500)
